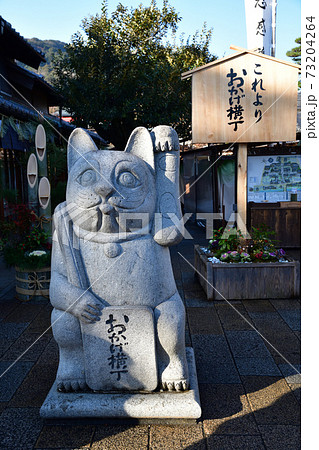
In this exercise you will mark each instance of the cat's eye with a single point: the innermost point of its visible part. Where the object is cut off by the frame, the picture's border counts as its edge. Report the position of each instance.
(127, 179)
(87, 178)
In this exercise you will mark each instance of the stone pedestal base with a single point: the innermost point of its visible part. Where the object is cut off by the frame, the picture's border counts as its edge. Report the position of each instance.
(153, 405)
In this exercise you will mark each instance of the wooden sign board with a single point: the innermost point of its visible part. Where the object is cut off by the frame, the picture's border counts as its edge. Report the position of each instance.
(246, 97)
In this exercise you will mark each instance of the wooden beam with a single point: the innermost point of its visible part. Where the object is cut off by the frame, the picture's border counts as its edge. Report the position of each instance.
(242, 186)
(241, 51)
(189, 73)
(263, 55)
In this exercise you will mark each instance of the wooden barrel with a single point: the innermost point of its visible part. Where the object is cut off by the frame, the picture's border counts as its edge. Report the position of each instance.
(32, 284)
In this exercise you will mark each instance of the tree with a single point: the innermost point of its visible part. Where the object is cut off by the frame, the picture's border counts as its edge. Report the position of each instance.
(124, 72)
(295, 53)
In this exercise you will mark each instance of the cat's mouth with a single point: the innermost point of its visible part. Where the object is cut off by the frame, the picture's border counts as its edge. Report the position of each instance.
(106, 208)
(106, 218)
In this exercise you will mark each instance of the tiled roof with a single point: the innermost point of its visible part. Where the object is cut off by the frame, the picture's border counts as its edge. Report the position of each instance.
(20, 49)
(22, 112)
(39, 78)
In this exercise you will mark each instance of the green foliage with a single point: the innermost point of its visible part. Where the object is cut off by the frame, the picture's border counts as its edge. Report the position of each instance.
(235, 257)
(58, 194)
(57, 171)
(57, 161)
(20, 236)
(18, 257)
(263, 236)
(295, 53)
(123, 72)
(229, 245)
(225, 239)
(10, 195)
(4, 126)
(24, 130)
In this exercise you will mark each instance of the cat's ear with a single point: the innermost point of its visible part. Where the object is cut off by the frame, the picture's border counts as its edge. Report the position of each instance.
(140, 144)
(80, 142)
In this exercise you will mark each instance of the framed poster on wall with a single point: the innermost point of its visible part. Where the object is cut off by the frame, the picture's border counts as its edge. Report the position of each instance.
(273, 178)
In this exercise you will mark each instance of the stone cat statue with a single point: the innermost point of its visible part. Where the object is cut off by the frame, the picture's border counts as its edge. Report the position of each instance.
(110, 249)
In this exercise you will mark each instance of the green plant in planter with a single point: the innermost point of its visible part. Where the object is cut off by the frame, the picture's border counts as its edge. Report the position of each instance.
(224, 241)
(22, 241)
(263, 246)
(235, 256)
(229, 245)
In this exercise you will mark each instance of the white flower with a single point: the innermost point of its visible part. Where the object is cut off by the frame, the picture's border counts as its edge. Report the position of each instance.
(37, 253)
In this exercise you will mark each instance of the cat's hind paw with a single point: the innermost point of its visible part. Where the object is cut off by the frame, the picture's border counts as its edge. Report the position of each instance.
(72, 385)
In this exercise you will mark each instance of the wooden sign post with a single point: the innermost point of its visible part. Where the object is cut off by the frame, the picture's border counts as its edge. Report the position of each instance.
(245, 97)
(242, 183)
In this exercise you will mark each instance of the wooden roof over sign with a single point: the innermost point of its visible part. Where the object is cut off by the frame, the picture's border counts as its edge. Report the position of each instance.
(244, 97)
(240, 52)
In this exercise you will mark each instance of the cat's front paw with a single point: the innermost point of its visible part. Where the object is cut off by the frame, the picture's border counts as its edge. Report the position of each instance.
(164, 139)
(164, 146)
(88, 309)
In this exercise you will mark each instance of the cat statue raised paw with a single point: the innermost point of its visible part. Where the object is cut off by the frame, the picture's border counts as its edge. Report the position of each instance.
(118, 318)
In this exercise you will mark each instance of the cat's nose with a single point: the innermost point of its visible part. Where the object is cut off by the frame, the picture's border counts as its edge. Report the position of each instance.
(104, 190)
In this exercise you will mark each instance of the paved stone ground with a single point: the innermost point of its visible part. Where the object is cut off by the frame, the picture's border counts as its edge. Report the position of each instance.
(250, 395)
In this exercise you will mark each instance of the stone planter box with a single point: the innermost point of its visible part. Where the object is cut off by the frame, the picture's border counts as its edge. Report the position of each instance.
(240, 281)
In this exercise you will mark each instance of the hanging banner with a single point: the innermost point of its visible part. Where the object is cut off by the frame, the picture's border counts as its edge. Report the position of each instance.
(259, 20)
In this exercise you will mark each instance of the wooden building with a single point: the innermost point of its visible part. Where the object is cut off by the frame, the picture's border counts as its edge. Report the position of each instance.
(22, 94)
(244, 113)
(25, 99)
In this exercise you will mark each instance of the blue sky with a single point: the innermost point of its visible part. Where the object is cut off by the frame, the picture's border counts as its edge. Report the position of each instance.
(61, 18)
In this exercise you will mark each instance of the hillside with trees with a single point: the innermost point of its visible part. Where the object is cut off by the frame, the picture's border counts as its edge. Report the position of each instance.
(50, 49)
